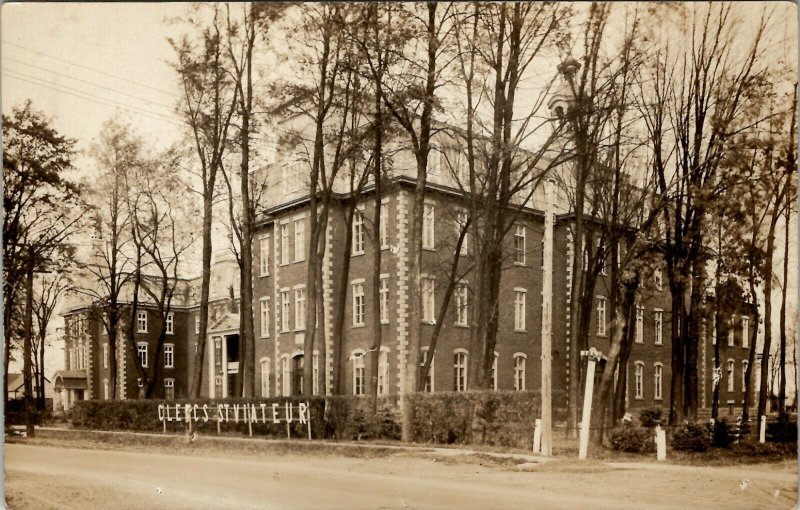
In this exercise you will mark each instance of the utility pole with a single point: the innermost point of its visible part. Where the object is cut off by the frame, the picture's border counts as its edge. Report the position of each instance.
(547, 323)
(27, 345)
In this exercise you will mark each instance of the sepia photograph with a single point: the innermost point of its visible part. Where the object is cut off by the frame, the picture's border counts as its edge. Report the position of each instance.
(400, 255)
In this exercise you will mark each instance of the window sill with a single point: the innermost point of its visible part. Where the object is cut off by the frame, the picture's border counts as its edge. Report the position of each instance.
(385, 322)
(384, 247)
(601, 335)
(284, 264)
(659, 399)
(297, 261)
(357, 253)
(299, 330)
(264, 337)
(263, 275)
(359, 325)
(520, 264)
(638, 398)
(520, 331)
(637, 342)
(429, 248)
(658, 343)
(459, 325)
(169, 368)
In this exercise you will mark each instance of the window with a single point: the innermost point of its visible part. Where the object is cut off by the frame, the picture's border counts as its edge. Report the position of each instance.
(169, 356)
(197, 325)
(141, 322)
(105, 355)
(658, 377)
(285, 311)
(713, 330)
(169, 389)
(384, 295)
(462, 304)
(658, 323)
(658, 278)
(218, 386)
(731, 381)
(601, 315)
(519, 309)
(299, 309)
(384, 226)
(639, 324)
(428, 300)
(298, 364)
(263, 256)
(383, 373)
(745, 364)
(284, 244)
(731, 333)
(460, 371)
(170, 323)
(358, 372)
(285, 380)
(141, 349)
(745, 332)
(461, 221)
(299, 240)
(358, 233)
(519, 371)
(218, 353)
(428, 238)
(519, 245)
(105, 389)
(265, 377)
(493, 380)
(429, 377)
(358, 304)
(639, 380)
(264, 301)
(315, 373)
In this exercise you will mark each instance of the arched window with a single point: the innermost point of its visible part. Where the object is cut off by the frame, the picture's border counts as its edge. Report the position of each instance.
(519, 371)
(265, 377)
(460, 370)
(298, 365)
(639, 380)
(383, 372)
(358, 371)
(658, 378)
(745, 364)
(731, 381)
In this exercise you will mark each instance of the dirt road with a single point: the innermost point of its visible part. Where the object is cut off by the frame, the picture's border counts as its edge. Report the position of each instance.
(43, 477)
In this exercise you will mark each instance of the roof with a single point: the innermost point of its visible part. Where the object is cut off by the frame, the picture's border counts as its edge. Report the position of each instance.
(228, 322)
(70, 379)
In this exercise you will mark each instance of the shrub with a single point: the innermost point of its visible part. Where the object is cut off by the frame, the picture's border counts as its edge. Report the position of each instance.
(632, 439)
(691, 437)
(650, 417)
(722, 435)
(783, 430)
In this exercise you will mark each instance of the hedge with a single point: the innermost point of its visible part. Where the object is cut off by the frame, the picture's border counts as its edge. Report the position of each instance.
(484, 417)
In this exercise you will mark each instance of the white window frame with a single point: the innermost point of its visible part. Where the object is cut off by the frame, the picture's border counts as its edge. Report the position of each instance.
(284, 310)
(429, 226)
(197, 325)
(745, 331)
(520, 245)
(383, 371)
(602, 318)
(359, 244)
(383, 229)
(264, 377)
(384, 301)
(300, 308)
(263, 255)
(745, 364)
(284, 232)
(460, 366)
(315, 373)
(286, 382)
(299, 240)
(141, 321)
(658, 381)
(731, 370)
(462, 304)
(359, 303)
(638, 380)
(141, 349)
(462, 217)
(359, 373)
(639, 324)
(106, 392)
(428, 299)
(520, 305)
(105, 354)
(520, 362)
(424, 358)
(169, 355)
(658, 325)
(170, 323)
(264, 316)
(169, 384)
(732, 332)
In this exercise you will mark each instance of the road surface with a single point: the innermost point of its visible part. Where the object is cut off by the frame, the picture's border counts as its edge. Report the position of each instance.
(42, 477)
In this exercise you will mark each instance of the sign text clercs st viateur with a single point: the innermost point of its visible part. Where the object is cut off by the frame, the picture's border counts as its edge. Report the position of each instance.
(275, 412)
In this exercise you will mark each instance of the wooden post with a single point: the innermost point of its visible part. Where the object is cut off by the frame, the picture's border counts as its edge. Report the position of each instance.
(545, 426)
(593, 356)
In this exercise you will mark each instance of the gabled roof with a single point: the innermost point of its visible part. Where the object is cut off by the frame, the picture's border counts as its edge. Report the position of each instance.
(228, 322)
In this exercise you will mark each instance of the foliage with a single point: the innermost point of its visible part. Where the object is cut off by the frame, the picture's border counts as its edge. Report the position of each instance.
(784, 430)
(650, 417)
(721, 435)
(691, 437)
(632, 439)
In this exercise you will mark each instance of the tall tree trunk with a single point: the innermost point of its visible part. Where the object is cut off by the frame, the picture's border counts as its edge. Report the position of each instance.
(678, 353)
(342, 285)
(197, 379)
(693, 340)
(27, 374)
(765, 353)
(782, 388)
(376, 246)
